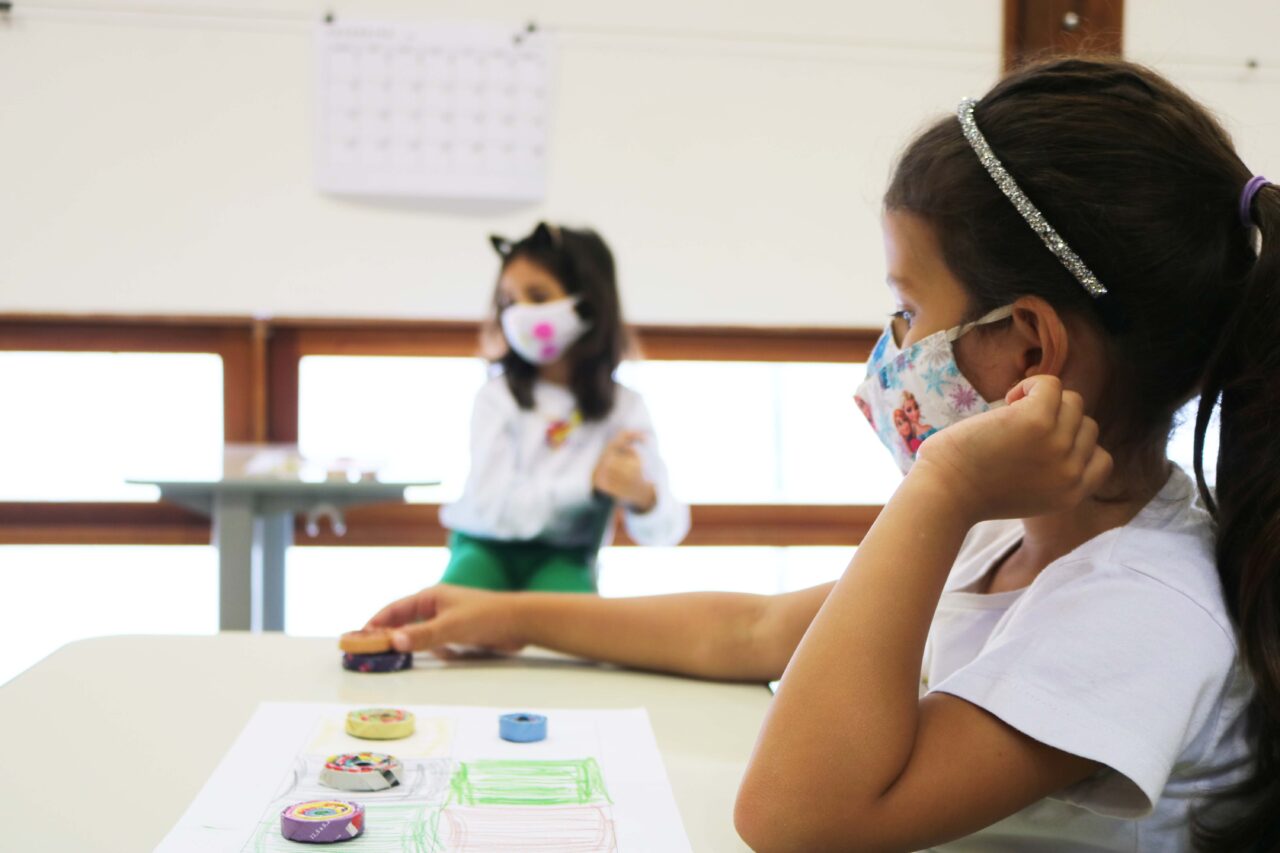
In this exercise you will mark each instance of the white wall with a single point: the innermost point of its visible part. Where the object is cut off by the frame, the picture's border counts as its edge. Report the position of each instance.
(733, 152)
(1206, 48)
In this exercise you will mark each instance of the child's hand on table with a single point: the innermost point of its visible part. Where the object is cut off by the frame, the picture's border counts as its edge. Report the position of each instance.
(620, 473)
(443, 619)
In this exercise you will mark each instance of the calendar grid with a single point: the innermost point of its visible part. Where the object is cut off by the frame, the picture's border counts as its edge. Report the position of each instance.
(432, 110)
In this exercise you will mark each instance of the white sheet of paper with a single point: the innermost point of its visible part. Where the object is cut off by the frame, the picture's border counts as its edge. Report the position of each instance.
(621, 801)
(432, 110)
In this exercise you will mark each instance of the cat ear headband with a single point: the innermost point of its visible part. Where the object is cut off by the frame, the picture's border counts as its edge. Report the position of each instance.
(544, 234)
(501, 245)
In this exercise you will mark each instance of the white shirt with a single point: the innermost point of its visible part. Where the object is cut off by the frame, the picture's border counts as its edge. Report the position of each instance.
(1122, 652)
(531, 471)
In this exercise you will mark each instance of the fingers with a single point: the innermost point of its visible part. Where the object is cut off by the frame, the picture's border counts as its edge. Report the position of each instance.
(1072, 433)
(1043, 387)
(1070, 418)
(1060, 411)
(1040, 385)
(620, 471)
(1038, 398)
(1093, 461)
(625, 440)
(411, 608)
(434, 634)
(1085, 442)
(1097, 471)
(1077, 435)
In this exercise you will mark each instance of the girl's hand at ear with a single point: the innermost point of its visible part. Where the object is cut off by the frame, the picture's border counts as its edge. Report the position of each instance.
(620, 473)
(1038, 455)
(440, 619)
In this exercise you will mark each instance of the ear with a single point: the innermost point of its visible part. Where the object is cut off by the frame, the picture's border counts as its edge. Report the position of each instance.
(1041, 336)
(501, 245)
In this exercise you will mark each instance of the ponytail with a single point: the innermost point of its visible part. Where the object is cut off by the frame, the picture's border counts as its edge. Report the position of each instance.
(1243, 378)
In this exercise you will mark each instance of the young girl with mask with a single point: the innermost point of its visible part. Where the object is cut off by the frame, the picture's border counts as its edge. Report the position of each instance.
(1050, 639)
(556, 442)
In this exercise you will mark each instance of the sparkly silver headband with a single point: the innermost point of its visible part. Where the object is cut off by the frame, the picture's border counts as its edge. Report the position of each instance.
(1029, 212)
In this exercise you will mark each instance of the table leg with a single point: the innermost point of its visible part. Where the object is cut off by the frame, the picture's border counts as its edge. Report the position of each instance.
(277, 536)
(233, 536)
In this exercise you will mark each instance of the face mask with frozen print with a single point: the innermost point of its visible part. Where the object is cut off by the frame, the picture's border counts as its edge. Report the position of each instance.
(541, 333)
(910, 394)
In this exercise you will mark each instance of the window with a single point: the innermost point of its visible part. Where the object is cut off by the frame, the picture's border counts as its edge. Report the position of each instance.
(1182, 442)
(761, 432)
(61, 593)
(411, 413)
(331, 590)
(82, 423)
(731, 432)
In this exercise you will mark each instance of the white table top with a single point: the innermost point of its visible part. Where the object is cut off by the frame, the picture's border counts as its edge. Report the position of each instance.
(113, 718)
(281, 467)
(276, 478)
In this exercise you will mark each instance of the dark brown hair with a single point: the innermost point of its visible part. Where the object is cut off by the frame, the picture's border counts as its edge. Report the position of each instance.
(581, 261)
(1143, 183)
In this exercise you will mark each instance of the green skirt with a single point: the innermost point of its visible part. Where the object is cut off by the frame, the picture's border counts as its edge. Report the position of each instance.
(535, 566)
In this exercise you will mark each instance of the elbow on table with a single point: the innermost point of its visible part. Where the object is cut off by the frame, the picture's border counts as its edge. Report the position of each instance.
(770, 821)
(757, 829)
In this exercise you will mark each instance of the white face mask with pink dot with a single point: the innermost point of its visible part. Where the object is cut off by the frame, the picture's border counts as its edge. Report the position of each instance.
(540, 334)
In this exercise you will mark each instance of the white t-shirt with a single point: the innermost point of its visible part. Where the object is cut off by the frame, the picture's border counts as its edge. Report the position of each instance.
(1122, 652)
(531, 471)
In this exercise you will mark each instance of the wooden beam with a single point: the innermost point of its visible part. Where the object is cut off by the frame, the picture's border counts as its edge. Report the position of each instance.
(1038, 29)
(412, 525)
(113, 334)
(775, 525)
(283, 358)
(232, 339)
(696, 343)
(258, 392)
(241, 416)
(67, 523)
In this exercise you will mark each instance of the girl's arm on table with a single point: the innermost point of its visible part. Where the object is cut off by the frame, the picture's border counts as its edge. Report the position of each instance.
(717, 635)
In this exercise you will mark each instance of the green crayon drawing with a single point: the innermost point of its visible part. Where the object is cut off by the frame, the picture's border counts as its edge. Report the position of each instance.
(529, 783)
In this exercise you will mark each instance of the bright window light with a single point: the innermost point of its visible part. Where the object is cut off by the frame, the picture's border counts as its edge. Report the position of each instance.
(57, 594)
(80, 424)
(1182, 442)
(411, 416)
(760, 432)
(331, 590)
(731, 432)
(764, 571)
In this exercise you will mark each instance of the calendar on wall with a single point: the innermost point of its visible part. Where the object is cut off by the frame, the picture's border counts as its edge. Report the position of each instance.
(434, 111)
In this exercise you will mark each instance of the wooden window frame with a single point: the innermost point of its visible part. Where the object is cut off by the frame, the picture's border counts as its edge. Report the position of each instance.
(1036, 29)
(261, 359)
(240, 344)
